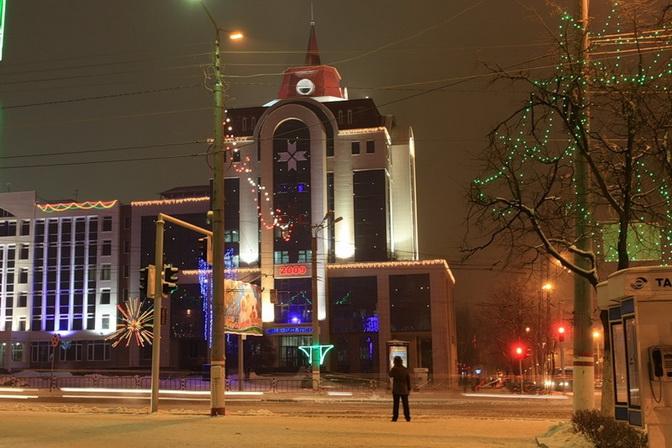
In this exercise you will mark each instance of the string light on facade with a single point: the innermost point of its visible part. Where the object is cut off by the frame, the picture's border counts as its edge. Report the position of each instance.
(87, 205)
(179, 201)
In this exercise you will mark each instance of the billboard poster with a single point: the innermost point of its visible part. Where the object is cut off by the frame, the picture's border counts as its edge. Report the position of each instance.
(243, 308)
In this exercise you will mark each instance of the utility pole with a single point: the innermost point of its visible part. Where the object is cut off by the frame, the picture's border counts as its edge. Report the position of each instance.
(314, 321)
(218, 354)
(583, 365)
(316, 350)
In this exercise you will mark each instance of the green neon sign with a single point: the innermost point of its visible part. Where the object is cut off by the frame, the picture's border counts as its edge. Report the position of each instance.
(3, 7)
(308, 351)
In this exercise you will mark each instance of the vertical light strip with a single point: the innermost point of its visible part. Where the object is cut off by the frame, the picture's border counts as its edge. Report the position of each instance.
(3, 5)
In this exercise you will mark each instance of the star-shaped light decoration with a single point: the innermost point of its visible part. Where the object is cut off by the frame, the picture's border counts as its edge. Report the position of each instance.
(292, 155)
(136, 324)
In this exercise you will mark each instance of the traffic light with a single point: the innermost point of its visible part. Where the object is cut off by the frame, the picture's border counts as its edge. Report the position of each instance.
(205, 249)
(561, 333)
(519, 351)
(169, 281)
(147, 276)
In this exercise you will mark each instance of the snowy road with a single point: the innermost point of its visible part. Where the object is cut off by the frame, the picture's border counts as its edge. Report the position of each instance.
(309, 405)
(255, 428)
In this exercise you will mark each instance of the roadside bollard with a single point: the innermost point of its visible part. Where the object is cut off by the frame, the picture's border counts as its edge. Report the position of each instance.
(274, 384)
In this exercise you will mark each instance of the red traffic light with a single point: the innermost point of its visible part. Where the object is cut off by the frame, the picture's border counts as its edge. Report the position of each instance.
(519, 351)
(561, 333)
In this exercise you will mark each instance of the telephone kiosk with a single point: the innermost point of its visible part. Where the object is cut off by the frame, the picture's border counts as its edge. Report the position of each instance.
(639, 305)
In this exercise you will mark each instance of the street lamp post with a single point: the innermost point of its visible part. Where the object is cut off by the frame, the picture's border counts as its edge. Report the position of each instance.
(316, 351)
(218, 352)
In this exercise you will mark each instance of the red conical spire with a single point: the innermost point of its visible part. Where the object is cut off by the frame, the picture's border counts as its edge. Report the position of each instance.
(313, 52)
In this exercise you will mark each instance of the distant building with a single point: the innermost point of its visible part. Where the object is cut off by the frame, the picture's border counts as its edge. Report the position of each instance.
(289, 163)
(58, 275)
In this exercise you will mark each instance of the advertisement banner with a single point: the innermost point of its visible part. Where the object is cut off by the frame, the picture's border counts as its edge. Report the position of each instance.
(243, 308)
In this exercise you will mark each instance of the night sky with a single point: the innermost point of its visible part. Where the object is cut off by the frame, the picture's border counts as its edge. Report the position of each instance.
(81, 75)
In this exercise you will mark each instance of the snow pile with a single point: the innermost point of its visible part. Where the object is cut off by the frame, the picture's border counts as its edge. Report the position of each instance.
(562, 435)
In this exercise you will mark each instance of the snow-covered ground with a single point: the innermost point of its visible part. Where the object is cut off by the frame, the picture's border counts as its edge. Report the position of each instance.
(73, 426)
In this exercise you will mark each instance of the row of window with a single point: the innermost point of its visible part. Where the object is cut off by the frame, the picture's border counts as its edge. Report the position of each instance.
(282, 256)
(9, 228)
(41, 352)
(370, 147)
(353, 303)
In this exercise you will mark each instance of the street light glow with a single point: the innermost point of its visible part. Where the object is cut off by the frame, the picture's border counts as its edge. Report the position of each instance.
(596, 334)
(236, 35)
(548, 286)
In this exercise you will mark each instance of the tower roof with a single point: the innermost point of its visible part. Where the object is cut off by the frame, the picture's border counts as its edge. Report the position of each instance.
(313, 51)
(312, 79)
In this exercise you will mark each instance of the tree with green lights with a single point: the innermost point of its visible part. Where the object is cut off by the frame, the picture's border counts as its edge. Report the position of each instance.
(614, 107)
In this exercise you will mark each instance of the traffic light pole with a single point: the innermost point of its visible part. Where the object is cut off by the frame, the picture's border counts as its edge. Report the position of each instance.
(158, 296)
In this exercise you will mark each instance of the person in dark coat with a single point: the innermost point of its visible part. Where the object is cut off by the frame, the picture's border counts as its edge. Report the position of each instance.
(401, 387)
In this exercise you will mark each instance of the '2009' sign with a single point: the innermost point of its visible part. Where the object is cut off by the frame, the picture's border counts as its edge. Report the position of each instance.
(292, 270)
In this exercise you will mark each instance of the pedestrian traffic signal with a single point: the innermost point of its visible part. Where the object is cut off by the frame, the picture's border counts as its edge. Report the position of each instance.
(147, 275)
(169, 281)
(205, 249)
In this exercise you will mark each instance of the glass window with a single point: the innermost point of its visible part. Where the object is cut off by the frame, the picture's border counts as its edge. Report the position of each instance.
(105, 295)
(107, 224)
(11, 256)
(294, 304)
(355, 148)
(620, 372)
(370, 146)
(22, 324)
(107, 248)
(71, 352)
(106, 272)
(17, 351)
(39, 352)
(25, 227)
(633, 362)
(410, 302)
(281, 257)
(98, 351)
(23, 276)
(305, 256)
(349, 116)
(24, 252)
(106, 322)
(23, 300)
(353, 304)
(370, 204)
